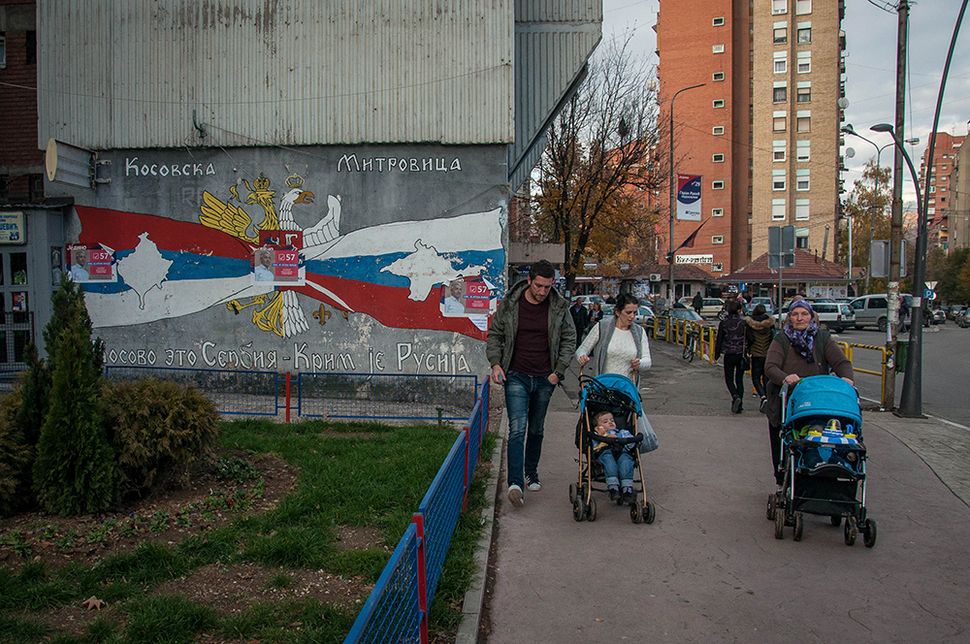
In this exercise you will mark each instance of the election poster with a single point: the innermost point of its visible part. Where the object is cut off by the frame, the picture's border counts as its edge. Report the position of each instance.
(689, 197)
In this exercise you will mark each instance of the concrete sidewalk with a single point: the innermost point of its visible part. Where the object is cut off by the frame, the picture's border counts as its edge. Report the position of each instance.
(709, 568)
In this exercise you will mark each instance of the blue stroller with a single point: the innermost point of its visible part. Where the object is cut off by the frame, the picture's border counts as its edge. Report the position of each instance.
(618, 395)
(824, 459)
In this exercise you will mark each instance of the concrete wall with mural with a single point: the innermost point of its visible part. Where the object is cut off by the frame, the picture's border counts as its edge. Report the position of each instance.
(363, 259)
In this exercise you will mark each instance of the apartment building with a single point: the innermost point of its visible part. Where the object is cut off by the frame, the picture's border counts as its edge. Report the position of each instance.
(958, 213)
(943, 190)
(764, 129)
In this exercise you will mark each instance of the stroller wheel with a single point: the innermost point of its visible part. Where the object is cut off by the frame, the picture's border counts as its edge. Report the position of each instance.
(572, 492)
(836, 521)
(636, 513)
(650, 513)
(579, 509)
(779, 525)
(770, 513)
(591, 510)
(869, 533)
(850, 531)
(799, 526)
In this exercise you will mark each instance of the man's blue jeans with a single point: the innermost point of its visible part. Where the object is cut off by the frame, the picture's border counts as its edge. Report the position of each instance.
(618, 470)
(526, 402)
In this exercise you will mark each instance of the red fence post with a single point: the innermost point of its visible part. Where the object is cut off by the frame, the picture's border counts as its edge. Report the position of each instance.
(418, 520)
(287, 396)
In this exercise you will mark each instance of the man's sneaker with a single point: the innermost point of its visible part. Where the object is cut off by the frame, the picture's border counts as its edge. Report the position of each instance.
(736, 405)
(763, 405)
(515, 496)
(532, 482)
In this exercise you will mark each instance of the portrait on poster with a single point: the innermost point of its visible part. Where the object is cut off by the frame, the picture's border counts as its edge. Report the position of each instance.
(277, 266)
(467, 297)
(91, 264)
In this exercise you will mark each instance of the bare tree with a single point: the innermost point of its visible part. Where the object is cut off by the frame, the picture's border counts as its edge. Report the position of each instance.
(867, 206)
(598, 162)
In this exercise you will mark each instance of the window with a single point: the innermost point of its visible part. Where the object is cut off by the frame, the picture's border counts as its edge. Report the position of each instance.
(717, 212)
(718, 21)
(804, 62)
(779, 6)
(802, 180)
(779, 94)
(718, 48)
(717, 185)
(803, 151)
(717, 267)
(718, 103)
(932, 189)
(717, 76)
(3, 49)
(803, 7)
(717, 239)
(803, 124)
(778, 149)
(781, 65)
(803, 95)
(778, 124)
(804, 35)
(717, 158)
(778, 180)
(801, 238)
(801, 209)
(777, 209)
(931, 211)
(780, 35)
(31, 47)
(717, 130)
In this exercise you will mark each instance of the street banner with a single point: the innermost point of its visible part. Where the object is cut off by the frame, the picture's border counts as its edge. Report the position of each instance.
(689, 197)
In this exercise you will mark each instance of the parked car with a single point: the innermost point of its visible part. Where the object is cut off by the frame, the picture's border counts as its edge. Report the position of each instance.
(953, 310)
(712, 306)
(685, 314)
(836, 316)
(872, 310)
(939, 316)
(768, 304)
(587, 300)
(644, 315)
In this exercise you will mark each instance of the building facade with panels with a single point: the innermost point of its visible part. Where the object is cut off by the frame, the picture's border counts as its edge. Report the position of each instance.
(942, 213)
(764, 129)
(297, 186)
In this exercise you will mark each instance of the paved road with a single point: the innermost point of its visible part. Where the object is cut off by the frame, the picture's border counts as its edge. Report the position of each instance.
(710, 568)
(946, 370)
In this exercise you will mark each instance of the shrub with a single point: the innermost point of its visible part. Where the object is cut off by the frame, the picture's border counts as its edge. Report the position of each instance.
(15, 457)
(159, 430)
(75, 471)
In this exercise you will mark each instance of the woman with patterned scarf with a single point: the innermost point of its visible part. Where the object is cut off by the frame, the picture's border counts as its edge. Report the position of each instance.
(802, 349)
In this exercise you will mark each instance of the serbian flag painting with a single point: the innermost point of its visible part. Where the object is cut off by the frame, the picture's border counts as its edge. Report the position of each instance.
(689, 197)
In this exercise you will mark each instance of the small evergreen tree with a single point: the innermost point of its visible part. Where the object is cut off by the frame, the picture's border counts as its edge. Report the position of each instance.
(75, 470)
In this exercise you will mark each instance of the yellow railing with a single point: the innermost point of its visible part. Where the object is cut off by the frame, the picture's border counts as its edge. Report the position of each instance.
(849, 349)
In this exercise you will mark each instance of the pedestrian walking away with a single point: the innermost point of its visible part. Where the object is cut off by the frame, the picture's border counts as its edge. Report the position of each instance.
(580, 318)
(731, 340)
(760, 333)
(698, 302)
(802, 349)
(617, 343)
(530, 344)
(595, 315)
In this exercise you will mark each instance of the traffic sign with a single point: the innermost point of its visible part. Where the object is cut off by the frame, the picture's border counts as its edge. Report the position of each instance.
(929, 294)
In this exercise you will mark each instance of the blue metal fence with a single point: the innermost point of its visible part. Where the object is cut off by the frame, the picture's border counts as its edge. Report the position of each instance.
(390, 615)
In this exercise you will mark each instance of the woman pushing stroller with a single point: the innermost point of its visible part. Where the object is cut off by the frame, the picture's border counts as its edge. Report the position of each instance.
(802, 349)
(622, 345)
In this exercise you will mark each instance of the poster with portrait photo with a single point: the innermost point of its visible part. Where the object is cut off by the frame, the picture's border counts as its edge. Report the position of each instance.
(87, 264)
(277, 267)
(467, 297)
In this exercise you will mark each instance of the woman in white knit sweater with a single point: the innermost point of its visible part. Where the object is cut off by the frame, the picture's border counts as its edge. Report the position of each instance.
(616, 344)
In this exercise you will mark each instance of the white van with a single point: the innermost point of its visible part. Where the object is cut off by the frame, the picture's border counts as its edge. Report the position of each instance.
(873, 310)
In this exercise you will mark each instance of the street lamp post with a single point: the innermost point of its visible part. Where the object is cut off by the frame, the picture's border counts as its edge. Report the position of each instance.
(848, 129)
(673, 189)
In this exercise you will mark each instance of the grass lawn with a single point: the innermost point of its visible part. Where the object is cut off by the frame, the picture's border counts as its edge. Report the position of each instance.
(296, 573)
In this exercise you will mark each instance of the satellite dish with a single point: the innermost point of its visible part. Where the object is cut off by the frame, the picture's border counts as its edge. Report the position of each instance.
(843, 103)
(849, 153)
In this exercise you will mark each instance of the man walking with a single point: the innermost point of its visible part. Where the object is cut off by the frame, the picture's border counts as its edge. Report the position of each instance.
(698, 302)
(580, 318)
(530, 344)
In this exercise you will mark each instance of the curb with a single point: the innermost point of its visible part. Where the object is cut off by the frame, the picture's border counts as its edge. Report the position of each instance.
(471, 607)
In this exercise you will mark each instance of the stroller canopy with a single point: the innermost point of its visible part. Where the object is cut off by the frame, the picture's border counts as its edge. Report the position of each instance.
(612, 382)
(824, 396)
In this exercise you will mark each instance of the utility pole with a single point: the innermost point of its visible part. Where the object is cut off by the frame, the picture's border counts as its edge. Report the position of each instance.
(672, 185)
(896, 230)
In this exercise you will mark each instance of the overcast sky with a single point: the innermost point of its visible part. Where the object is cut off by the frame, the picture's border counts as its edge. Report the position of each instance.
(870, 69)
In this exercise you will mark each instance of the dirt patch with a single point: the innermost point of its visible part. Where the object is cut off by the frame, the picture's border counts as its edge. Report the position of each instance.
(351, 537)
(242, 486)
(232, 589)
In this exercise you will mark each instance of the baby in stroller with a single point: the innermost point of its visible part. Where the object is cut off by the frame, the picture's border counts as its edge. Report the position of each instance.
(617, 459)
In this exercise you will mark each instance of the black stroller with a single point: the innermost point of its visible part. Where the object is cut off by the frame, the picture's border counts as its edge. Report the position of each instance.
(824, 460)
(619, 395)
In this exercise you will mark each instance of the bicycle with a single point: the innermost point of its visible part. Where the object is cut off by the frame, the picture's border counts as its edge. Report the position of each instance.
(690, 344)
